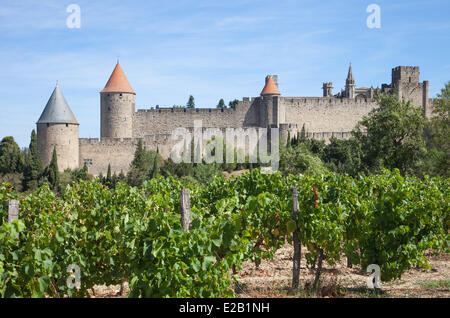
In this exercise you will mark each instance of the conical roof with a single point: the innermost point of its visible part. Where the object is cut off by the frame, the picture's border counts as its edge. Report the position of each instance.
(57, 111)
(271, 88)
(118, 82)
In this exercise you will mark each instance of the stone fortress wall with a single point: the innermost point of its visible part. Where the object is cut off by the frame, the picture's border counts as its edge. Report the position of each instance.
(322, 117)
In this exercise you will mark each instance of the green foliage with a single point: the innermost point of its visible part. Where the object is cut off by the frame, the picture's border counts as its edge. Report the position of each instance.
(221, 104)
(135, 233)
(143, 165)
(52, 171)
(11, 158)
(437, 136)
(33, 168)
(391, 136)
(232, 104)
(298, 159)
(191, 102)
(343, 156)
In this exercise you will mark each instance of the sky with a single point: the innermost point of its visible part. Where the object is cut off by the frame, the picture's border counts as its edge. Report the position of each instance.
(206, 48)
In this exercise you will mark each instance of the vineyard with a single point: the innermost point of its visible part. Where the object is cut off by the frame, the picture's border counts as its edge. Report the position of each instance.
(135, 234)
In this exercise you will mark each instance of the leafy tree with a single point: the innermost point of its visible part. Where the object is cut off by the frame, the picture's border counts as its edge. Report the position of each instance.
(343, 156)
(11, 158)
(191, 102)
(391, 135)
(299, 160)
(33, 168)
(221, 104)
(437, 136)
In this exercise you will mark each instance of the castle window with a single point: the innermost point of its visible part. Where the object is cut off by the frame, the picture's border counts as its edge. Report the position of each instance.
(109, 108)
(67, 125)
(210, 110)
(48, 125)
(120, 95)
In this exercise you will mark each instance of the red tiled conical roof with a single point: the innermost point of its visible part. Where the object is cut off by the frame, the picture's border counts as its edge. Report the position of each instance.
(117, 82)
(270, 88)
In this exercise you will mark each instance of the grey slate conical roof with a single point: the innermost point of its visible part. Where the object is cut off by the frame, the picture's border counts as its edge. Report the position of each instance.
(57, 111)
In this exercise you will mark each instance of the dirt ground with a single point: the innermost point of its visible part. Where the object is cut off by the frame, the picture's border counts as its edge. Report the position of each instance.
(274, 278)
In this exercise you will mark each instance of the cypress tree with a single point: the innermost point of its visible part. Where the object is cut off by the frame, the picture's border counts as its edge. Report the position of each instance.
(33, 168)
(221, 104)
(53, 172)
(191, 102)
(108, 180)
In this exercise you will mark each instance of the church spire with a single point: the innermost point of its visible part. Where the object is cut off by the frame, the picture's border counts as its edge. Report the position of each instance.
(350, 74)
(350, 84)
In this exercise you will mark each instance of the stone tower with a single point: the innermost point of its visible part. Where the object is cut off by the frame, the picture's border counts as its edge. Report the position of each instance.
(57, 128)
(117, 105)
(406, 85)
(270, 99)
(327, 89)
(350, 84)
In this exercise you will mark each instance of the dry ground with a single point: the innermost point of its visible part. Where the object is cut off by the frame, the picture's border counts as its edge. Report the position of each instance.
(273, 279)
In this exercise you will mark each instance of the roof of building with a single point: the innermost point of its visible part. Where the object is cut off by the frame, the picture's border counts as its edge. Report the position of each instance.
(57, 111)
(270, 88)
(118, 82)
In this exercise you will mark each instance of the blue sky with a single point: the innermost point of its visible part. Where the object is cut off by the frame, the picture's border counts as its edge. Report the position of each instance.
(206, 48)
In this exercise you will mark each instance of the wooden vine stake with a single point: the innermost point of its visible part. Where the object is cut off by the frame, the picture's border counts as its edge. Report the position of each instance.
(13, 210)
(296, 241)
(185, 209)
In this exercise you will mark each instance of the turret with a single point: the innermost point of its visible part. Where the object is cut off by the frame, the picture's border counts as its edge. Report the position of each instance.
(117, 106)
(58, 128)
(327, 89)
(350, 84)
(270, 101)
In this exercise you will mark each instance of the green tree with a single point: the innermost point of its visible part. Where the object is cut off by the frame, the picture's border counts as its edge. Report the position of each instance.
(343, 156)
(391, 136)
(33, 167)
(299, 160)
(221, 104)
(143, 165)
(53, 172)
(108, 180)
(11, 158)
(232, 104)
(191, 102)
(437, 136)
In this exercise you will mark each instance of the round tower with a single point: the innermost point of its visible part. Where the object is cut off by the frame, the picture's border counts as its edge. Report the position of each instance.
(57, 128)
(270, 96)
(117, 105)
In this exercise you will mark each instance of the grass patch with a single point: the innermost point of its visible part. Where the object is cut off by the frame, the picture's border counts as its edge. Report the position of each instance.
(436, 284)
